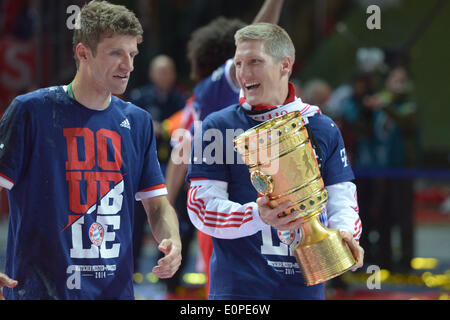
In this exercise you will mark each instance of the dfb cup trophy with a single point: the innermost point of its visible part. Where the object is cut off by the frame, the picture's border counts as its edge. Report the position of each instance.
(283, 166)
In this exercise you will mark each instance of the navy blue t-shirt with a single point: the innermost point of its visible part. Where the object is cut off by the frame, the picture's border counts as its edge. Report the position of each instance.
(73, 175)
(215, 92)
(263, 265)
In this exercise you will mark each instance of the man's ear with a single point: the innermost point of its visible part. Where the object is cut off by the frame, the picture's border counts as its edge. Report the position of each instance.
(82, 52)
(286, 66)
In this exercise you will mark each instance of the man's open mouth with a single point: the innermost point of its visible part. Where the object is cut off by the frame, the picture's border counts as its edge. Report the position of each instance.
(251, 86)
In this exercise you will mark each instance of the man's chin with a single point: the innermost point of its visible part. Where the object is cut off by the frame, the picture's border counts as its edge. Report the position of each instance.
(253, 101)
(118, 91)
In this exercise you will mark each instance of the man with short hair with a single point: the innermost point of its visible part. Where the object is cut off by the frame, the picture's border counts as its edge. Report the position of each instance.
(74, 159)
(253, 258)
(210, 50)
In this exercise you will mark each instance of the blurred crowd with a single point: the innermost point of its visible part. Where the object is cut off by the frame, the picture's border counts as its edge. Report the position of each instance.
(379, 120)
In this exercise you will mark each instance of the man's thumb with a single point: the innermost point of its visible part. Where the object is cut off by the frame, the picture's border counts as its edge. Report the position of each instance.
(164, 246)
(7, 281)
(12, 283)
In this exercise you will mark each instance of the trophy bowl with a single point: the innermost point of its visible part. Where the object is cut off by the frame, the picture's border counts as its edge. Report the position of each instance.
(283, 166)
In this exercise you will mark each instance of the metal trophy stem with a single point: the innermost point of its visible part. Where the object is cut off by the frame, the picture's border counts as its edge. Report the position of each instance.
(283, 166)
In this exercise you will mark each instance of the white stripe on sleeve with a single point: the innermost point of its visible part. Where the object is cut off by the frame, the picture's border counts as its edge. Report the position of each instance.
(213, 213)
(343, 209)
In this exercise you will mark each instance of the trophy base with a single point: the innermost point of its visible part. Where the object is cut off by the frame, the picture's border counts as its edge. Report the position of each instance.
(325, 258)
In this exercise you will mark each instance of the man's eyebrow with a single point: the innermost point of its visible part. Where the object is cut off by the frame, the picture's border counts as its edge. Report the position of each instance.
(135, 52)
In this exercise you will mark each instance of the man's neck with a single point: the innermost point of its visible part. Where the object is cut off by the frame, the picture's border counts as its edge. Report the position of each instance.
(89, 95)
(282, 98)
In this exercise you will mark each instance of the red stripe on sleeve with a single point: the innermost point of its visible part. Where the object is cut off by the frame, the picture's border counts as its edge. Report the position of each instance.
(221, 220)
(7, 178)
(158, 186)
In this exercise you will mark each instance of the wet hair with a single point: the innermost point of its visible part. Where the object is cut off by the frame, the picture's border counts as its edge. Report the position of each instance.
(211, 45)
(101, 19)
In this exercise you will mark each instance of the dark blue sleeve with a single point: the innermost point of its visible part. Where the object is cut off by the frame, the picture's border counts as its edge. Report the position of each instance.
(15, 144)
(208, 153)
(205, 99)
(336, 165)
(199, 93)
(151, 172)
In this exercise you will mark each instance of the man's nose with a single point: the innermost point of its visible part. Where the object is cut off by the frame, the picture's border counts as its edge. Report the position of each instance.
(127, 64)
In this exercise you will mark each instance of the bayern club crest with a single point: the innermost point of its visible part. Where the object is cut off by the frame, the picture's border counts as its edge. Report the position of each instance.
(96, 233)
(286, 236)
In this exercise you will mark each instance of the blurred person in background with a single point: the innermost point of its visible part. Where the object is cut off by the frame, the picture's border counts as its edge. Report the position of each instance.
(356, 121)
(318, 92)
(381, 129)
(370, 65)
(349, 107)
(161, 98)
(398, 138)
(210, 51)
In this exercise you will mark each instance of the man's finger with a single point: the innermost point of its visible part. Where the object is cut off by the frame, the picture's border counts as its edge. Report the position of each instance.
(261, 201)
(281, 209)
(293, 223)
(168, 259)
(169, 264)
(355, 248)
(165, 271)
(360, 259)
(7, 281)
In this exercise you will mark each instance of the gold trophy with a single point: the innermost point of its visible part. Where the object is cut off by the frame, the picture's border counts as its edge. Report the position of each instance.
(283, 166)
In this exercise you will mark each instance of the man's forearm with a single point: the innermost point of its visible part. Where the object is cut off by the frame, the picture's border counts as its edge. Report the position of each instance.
(162, 218)
(175, 174)
(269, 12)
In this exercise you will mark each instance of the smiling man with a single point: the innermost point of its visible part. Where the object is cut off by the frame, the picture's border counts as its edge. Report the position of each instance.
(253, 255)
(74, 159)
(260, 74)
